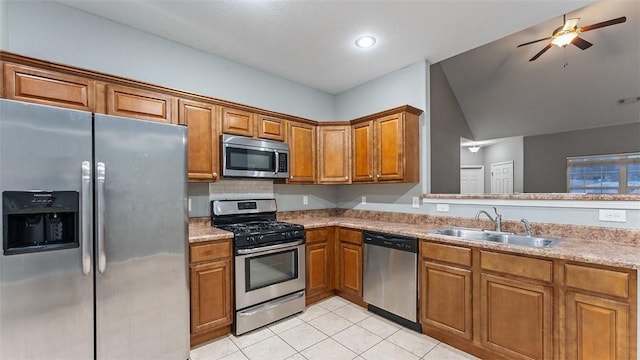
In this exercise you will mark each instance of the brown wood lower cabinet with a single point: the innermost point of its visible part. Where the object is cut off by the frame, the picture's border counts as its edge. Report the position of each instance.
(516, 317)
(211, 295)
(349, 265)
(320, 264)
(446, 298)
(597, 328)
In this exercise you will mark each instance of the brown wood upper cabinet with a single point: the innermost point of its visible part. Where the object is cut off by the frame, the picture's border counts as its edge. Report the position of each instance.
(24, 83)
(301, 138)
(333, 154)
(386, 149)
(142, 104)
(271, 128)
(202, 121)
(238, 122)
(245, 123)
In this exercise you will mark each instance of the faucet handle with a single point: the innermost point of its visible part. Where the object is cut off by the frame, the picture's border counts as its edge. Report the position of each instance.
(496, 211)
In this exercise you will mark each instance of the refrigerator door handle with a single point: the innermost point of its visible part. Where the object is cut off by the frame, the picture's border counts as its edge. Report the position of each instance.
(85, 196)
(100, 177)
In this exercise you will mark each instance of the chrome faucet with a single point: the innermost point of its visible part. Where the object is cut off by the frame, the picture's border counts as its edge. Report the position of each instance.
(497, 220)
(527, 227)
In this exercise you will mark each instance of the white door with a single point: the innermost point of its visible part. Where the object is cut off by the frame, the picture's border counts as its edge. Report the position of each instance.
(471, 179)
(502, 177)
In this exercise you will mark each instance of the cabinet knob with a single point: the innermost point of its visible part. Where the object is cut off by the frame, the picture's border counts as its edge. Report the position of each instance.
(291, 177)
(215, 175)
(370, 176)
(378, 176)
(346, 178)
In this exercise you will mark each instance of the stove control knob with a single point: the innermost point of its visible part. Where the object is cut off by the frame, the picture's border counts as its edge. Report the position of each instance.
(251, 239)
(287, 234)
(261, 237)
(295, 232)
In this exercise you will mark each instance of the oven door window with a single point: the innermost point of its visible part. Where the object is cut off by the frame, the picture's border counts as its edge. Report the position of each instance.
(245, 159)
(265, 270)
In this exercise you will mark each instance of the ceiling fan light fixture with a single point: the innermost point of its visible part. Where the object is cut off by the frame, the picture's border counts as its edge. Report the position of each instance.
(564, 39)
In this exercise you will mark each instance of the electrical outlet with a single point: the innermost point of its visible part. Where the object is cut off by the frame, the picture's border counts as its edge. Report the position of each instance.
(305, 200)
(363, 200)
(442, 207)
(415, 202)
(189, 204)
(612, 215)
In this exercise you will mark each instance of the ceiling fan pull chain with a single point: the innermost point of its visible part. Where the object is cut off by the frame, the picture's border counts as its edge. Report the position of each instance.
(565, 58)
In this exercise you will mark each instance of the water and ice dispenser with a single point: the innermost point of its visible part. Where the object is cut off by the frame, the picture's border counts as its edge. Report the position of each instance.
(36, 221)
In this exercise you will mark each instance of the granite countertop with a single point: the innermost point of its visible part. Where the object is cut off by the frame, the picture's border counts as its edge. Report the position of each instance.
(594, 252)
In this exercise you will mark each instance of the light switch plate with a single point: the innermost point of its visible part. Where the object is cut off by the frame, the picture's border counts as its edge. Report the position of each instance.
(442, 207)
(305, 200)
(363, 200)
(415, 202)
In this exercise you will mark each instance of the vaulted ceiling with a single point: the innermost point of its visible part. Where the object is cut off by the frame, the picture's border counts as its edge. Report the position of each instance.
(502, 94)
(312, 41)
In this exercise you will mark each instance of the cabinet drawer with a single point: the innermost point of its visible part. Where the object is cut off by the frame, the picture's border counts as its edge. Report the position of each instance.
(447, 253)
(523, 266)
(210, 251)
(351, 236)
(602, 281)
(317, 235)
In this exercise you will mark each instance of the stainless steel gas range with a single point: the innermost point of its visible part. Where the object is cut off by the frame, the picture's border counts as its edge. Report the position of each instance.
(269, 262)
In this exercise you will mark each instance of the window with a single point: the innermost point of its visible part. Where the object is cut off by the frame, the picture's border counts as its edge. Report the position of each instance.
(604, 174)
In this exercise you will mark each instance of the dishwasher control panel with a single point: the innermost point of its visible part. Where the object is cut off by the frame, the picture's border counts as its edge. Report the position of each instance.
(398, 242)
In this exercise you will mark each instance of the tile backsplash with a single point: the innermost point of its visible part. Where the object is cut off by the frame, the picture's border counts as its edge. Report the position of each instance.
(241, 189)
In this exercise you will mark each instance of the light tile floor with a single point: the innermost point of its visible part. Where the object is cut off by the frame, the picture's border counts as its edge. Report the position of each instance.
(331, 329)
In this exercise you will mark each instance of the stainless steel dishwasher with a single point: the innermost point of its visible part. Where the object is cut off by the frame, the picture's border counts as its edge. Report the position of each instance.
(390, 284)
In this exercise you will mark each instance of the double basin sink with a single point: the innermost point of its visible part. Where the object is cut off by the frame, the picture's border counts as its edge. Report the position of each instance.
(498, 237)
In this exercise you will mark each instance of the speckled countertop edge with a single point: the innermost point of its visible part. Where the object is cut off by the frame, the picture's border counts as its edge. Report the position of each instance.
(601, 253)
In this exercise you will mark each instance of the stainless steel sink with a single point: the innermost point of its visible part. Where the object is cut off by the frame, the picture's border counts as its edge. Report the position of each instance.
(499, 237)
(523, 240)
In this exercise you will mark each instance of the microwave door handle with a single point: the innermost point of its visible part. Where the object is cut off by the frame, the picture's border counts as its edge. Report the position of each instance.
(277, 162)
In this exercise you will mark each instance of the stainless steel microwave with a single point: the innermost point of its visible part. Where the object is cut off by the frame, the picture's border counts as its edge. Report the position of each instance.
(254, 158)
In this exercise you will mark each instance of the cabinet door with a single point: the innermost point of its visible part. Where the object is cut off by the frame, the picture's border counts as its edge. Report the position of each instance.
(389, 148)
(140, 104)
(596, 328)
(271, 128)
(203, 143)
(302, 156)
(350, 258)
(362, 152)
(319, 269)
(45, 87)
(516, 318)
(211, 305)
(333, 154)
(237, 122)
(446, 298)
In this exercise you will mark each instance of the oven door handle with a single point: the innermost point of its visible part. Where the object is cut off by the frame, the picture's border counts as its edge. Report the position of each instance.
(269, 248)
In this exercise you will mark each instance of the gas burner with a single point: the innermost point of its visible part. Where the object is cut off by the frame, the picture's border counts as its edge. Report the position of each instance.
(253, 223)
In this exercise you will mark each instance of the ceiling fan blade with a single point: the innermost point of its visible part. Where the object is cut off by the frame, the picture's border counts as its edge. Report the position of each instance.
(570, 24)
(534, 41)
(581, 43)
(603, 24)
(541, 52)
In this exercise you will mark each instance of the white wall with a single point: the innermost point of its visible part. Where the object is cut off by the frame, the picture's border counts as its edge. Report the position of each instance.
(51, 31)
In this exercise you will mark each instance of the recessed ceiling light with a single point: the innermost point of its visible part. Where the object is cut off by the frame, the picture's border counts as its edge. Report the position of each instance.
(366, 41)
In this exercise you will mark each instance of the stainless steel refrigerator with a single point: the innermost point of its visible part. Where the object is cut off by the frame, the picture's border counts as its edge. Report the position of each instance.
(94, 236)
